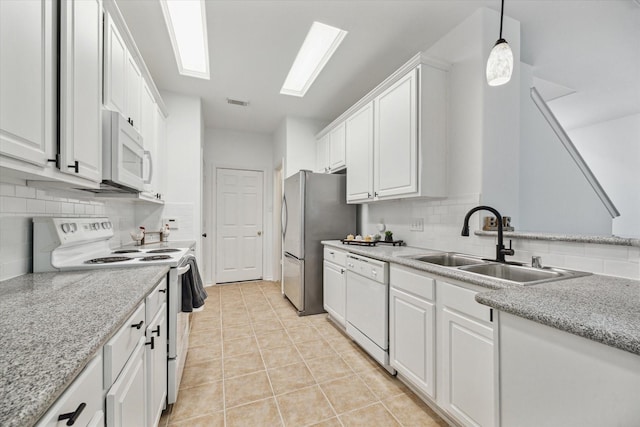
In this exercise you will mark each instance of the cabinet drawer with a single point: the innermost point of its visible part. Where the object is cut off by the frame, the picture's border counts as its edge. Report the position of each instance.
(412, 281)
(463, 300)
(155, 299)
(87, 390)
(336, 256)
(120, 346)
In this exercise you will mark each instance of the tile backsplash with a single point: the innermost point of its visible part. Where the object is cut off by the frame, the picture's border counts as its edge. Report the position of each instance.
(443, 222)
(19, 203)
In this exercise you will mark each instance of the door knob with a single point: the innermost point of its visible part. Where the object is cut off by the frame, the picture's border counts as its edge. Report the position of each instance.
(204, 234)
(259, 233)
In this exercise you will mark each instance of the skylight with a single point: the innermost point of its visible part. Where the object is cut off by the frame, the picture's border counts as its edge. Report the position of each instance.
(187, 24)
(318, 47)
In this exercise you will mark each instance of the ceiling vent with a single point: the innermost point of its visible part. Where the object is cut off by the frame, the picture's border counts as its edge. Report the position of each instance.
(237, 102)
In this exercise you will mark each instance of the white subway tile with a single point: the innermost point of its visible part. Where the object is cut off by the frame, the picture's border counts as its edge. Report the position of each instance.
(43, 195)
(7, 189)
(35, 206)
(66, 208)
(89, 209)
(554, 260)
(27, 192)
(607, 251)
(592, 265)
(12, 204)
(567, 248)
(52, 207)
(78, 209)
(630, 270)
(634, 254)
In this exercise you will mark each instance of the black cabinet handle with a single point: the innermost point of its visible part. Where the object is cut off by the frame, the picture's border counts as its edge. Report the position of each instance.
(151, 343)
(156, 330)
(75, 166)
(72, 417)
(138, 325)
(204, 234)
(162, 291)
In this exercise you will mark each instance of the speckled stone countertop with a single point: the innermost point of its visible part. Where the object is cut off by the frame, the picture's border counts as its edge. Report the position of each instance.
(605, 309)
(602, 308)
(399, 254)
(601, 240)
(52, 324)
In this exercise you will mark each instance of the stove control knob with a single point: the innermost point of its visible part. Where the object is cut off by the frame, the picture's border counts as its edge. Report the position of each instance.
(109, 225)
(73, 227)
(96, 226)
(104, 225)
(65, 228)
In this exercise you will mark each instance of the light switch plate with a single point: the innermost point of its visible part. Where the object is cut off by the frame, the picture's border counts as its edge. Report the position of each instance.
(417, 224)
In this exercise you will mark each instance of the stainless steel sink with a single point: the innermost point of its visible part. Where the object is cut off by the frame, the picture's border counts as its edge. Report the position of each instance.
(521, 274)
(449, 259)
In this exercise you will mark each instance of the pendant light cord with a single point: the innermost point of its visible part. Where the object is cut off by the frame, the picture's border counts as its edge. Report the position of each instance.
(501, 15)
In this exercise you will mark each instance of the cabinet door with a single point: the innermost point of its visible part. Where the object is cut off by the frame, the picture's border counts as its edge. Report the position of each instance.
(115, 62)
(322, 154)
(359, 148)
(337, 152)
(157, 366)
(412, 339)
(85, 390)
(468, 369)
(334, 280)
(133, 91)
(126, 399)
(396, 138)
(26, 81)
(81, 88)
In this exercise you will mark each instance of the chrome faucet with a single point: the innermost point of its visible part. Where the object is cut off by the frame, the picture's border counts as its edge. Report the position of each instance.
(500, 249)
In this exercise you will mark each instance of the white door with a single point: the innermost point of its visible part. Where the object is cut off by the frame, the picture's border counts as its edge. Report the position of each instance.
(238, 225)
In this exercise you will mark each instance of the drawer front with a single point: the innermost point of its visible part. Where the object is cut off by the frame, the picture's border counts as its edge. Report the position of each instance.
(335, 256)
(122, 344)
(86, 389)
(156, 298)
(463, 300)
(412, 281)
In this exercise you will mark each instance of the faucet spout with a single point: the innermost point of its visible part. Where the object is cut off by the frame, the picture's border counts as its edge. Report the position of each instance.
(500, 249)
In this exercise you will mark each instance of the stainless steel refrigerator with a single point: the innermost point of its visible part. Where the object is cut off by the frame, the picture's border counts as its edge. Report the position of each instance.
(314, 208)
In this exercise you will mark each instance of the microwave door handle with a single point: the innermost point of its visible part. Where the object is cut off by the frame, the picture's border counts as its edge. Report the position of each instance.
(147, 153)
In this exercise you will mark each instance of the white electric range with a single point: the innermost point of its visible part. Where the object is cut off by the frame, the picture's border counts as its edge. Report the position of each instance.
(64, 244)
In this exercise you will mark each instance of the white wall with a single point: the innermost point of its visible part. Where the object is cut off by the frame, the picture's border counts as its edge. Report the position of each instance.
(301, 144)
(19, 204)
(612, 151)
(184, 168)
(555, 195)
(239, 150)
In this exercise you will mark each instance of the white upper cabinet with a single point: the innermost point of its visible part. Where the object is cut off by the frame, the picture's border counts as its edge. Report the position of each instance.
(27, 86)
(359, 147)
(396, 138)
(122, 77)
(322, 154)
(81, 89)
(337, 147)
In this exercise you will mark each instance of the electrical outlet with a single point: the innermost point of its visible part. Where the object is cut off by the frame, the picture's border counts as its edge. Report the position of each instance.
(173, 223)
(417, 224)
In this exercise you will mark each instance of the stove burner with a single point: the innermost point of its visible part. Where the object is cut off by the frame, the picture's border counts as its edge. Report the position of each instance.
(126, 251)
(155, 258)
(162, 251)
(108, 259)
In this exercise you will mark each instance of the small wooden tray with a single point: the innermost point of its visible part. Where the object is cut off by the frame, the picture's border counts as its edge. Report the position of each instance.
(394, 243)
(357, 242)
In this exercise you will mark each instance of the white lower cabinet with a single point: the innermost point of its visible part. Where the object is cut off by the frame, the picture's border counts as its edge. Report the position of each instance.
(157, 366)
(81, 403)
(412, 327)
(467, 367)
(125, 401)
(335, 285)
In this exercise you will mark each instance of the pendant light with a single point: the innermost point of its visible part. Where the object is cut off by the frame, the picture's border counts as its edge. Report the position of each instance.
(500, 62)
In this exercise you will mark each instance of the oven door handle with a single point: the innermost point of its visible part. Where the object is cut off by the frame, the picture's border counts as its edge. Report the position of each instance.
(184, 265)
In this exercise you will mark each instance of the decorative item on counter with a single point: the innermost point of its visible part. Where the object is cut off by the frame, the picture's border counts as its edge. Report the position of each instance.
(388, 236)
(350, 237)
(164, 233)
(377, 238)
(138, 236)
(490, 223)
(358, 237)
(368, 238)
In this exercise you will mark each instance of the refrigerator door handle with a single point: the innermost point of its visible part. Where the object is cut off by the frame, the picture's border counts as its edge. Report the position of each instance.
(285, 215)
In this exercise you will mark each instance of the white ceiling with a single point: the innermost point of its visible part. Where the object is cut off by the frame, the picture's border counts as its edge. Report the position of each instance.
(590, 46)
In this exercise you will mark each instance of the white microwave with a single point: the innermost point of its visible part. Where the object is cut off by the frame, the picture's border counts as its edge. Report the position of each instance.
(122, 155)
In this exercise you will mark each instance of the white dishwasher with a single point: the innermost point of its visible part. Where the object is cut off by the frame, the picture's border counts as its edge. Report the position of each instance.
(367, 307)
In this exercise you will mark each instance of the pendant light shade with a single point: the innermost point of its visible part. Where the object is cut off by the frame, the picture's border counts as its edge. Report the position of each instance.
(500, 62)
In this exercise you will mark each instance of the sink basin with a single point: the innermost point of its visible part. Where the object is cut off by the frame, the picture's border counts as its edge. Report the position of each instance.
(521, 274)
(449, 259)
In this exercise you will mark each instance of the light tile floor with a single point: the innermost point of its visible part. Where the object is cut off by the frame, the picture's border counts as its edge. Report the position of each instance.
(253, 362)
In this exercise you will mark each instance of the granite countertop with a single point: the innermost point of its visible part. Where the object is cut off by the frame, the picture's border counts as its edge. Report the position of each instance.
(601, 240)
(398, 254)
(52, 324)
(605, 309)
